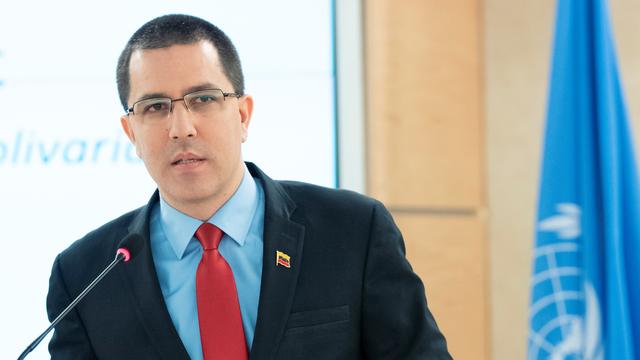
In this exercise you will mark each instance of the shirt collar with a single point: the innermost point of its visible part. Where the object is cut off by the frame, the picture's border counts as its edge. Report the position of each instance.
(233, 218)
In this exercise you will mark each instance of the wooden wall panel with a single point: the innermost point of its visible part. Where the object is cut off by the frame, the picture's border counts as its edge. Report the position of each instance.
(447, 253)
(424, 102)
(425, 152)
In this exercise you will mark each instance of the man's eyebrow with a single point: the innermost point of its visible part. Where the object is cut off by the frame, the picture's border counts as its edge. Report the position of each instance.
(203, 86)
(151, 96)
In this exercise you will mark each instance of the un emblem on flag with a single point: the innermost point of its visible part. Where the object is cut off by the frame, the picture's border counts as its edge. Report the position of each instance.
(565, 312)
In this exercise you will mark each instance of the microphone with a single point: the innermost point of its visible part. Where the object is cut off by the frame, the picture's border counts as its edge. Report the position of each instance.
(128, 248)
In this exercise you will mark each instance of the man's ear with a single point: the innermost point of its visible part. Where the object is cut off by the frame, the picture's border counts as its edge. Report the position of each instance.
(126, 127)
(245, 107)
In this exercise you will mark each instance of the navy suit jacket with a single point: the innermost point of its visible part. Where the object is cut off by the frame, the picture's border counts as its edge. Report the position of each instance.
(349, 292)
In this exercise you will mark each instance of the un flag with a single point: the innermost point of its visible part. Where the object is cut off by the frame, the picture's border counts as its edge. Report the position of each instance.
(585, 286)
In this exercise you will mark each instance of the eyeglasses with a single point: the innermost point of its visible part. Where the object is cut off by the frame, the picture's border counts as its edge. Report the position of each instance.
(202, 102)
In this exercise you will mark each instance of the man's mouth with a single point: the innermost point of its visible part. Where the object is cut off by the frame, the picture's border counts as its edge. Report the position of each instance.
(186, 158)
(185, 161)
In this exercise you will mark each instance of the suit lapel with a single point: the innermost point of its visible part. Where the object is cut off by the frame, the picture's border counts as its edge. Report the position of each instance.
(142, 284)
(281, 233)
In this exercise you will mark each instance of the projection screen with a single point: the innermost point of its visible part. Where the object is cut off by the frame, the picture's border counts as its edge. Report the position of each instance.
(65, 165)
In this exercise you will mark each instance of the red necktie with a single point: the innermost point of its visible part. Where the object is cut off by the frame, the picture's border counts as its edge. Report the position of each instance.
(221, 332)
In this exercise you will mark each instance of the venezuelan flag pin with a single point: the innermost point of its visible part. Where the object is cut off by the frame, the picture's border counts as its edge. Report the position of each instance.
(283, 259)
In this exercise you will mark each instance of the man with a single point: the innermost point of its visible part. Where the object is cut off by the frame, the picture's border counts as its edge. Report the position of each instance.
(231, 264)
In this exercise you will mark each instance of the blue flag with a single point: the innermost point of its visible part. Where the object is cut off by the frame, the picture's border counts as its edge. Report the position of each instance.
(585, 286)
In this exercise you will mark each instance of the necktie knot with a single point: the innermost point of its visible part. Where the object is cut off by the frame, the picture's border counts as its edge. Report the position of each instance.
(209, 236)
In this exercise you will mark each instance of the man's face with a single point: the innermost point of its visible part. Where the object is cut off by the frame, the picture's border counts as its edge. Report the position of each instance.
(194, 160)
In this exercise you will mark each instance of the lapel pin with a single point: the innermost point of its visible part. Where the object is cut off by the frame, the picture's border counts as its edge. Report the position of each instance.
(283, 259)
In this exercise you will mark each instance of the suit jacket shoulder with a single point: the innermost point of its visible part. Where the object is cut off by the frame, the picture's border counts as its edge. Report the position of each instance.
(100, 241)
(323, 201)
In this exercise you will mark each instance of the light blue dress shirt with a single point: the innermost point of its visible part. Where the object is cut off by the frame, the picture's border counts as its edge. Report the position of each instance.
(177, 253)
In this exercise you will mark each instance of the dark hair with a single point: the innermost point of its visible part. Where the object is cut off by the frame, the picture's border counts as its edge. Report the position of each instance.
(169, 30)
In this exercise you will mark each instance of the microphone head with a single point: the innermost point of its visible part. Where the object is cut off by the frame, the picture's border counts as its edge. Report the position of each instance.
(130, 246)
(125, 253)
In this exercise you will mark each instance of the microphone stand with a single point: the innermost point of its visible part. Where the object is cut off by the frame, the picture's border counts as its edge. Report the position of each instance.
(119, 257)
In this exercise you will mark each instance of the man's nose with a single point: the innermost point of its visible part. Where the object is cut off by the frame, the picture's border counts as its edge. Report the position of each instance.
(181, 122)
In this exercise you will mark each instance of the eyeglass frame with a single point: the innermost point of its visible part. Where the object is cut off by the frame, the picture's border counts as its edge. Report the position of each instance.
(225, 95)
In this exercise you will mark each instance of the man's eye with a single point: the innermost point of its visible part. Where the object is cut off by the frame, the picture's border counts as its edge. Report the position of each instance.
(156, 107)
(204, 99)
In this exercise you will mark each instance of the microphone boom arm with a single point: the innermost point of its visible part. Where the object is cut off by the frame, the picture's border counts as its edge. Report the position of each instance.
(120, 256)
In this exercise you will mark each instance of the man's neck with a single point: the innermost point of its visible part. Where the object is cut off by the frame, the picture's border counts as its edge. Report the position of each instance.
(203, 209)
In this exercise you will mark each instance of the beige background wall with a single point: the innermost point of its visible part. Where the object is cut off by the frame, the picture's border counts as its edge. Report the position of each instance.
(425, 148)
(456, 99)
(518, 40)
